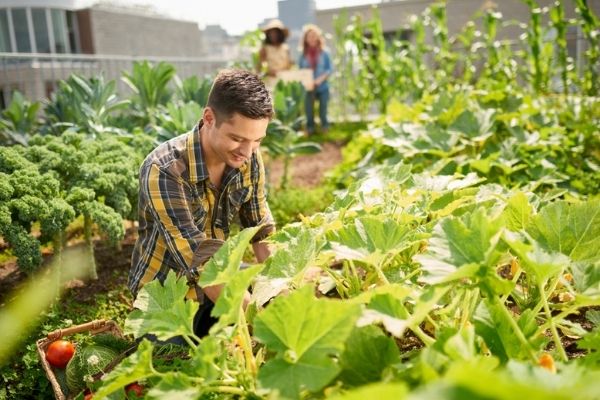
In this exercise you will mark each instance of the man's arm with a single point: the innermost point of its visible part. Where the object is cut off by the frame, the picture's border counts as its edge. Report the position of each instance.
(261, 251)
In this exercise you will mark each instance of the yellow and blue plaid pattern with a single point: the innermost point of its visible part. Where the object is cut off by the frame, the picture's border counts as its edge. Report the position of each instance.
(183, 218)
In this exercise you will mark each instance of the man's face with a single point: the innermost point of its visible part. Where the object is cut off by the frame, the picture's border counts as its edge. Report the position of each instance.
(234, 141)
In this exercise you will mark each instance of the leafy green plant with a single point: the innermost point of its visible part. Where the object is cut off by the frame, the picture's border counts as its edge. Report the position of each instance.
(589, 24)
(193, 89)
(491, 134)
(176, 119)
(28, 197)
(402, 255)
(150, 86)
(19, 120)
(288, 205)
(97, 179)
(83, 104)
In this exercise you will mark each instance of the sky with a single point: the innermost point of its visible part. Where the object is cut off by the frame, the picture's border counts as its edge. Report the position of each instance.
(235, 16)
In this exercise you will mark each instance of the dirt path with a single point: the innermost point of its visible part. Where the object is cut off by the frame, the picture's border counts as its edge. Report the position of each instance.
(308, 170)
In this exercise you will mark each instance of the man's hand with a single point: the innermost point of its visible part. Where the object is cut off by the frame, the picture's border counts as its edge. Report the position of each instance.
(261, 251)
(213, 293)
(312, 274)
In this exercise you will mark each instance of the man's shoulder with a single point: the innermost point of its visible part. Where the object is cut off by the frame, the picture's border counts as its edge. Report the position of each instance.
(170, 154)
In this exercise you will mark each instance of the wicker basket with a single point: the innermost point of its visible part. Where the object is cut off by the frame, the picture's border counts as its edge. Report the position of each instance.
(94, 327)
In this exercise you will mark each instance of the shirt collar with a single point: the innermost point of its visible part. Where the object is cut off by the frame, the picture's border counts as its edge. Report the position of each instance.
(197, 166)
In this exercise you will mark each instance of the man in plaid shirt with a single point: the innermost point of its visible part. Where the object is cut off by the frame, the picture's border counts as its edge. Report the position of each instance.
(192, 187)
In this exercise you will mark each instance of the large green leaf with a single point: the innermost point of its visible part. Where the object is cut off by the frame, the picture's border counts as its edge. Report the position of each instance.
(305, 333)
(225, 263)
(173, 386)
(229, 304)
(518, 212)
(475, 125)
(571, 229)
(367, 355)
(162, 310)
(438, 183)
(481, 380)
(136, 367)
(310, 372)
(542, 265)
(491, 325)
(389, 309)
(371, 239)
(459, 247)
(299, 252)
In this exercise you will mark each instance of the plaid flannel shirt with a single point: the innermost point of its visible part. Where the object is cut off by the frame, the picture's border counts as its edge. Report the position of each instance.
(183, 218)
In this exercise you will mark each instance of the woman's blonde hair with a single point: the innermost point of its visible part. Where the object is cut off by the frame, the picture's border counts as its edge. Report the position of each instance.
(312, 27)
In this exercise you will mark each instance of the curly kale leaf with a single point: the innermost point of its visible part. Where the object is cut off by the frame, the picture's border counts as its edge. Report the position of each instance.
(25, 247)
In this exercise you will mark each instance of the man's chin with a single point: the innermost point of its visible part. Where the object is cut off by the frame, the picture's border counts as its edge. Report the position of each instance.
(236, 162)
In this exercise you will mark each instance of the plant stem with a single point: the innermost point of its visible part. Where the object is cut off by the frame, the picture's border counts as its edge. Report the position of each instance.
(380, 274)
(555, 336)
(286, 172)
(225, 389)
(425, 338)
(246, 343)
(87, 231)
(551, 288)
(190, 342)
(514, 280)
(466, 309)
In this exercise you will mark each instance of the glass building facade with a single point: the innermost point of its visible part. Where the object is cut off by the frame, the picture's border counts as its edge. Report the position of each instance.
(38, 30)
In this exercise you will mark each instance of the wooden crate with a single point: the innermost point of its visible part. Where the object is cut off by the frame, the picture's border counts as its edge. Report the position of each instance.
(303, 75)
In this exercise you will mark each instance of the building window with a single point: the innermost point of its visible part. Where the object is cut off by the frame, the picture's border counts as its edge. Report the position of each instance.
(4, 33)
(73, 32)
(21, 27)
(59, 23)
(40, 29)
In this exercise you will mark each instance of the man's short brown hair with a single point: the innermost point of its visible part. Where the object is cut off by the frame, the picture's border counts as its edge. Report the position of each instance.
(239, 91)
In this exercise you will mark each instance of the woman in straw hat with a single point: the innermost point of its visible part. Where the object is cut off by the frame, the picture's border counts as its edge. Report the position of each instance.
(274, 53)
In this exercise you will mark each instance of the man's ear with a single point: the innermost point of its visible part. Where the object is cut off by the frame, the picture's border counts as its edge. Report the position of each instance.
(208, 116)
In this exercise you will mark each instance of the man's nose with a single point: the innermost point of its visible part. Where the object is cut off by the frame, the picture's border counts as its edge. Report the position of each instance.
(246, 149)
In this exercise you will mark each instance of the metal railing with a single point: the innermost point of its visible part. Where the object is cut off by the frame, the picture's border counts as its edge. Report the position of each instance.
(36, 75)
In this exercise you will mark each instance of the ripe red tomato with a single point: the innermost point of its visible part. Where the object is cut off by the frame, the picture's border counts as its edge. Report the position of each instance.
(89, 396)
(134, 388)
(59, 353)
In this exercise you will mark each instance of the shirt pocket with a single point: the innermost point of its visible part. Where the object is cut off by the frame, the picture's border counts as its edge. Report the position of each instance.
(236, 199)
(200, 212)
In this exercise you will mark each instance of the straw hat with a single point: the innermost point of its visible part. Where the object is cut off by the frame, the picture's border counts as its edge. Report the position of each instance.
(276, 24)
